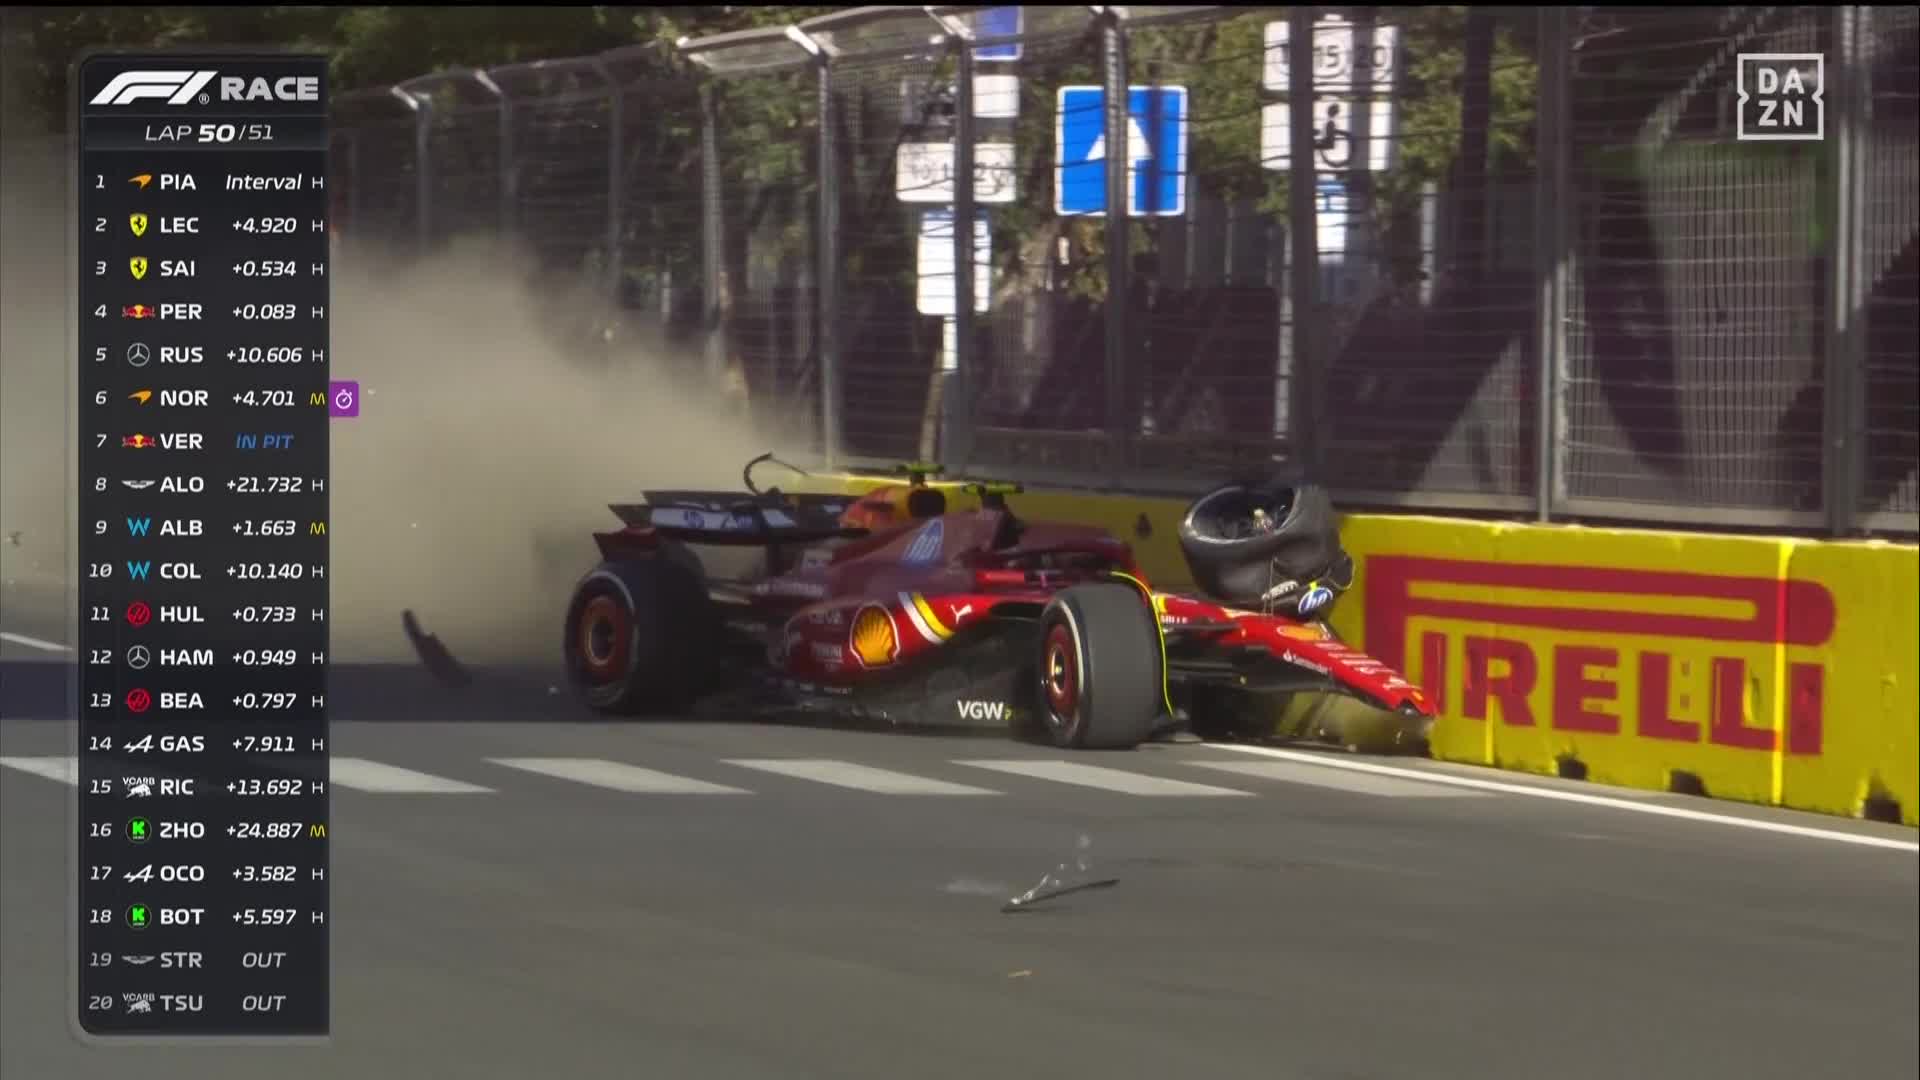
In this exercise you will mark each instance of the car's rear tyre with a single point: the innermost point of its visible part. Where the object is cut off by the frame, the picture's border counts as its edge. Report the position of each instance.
(1101, 669)
(641, 636)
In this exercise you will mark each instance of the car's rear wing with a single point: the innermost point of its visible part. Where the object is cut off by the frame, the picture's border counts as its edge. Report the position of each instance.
(736, 518)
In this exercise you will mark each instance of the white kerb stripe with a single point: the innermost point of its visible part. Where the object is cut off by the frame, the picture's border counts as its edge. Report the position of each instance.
(1094, 776)
(33, 642)
(617, 776)
(63, 770)
(1505, 788)
(363, 775)
(1357, 783)
(859, 777)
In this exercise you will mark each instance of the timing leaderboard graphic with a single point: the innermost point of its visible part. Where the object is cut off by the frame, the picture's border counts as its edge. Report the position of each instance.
(204, 289)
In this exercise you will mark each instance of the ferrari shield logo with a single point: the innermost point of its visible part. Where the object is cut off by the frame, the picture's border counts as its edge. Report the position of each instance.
(139, 223)
(138, 264)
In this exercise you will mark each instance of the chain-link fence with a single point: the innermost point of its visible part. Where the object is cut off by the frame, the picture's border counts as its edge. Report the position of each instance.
(1526, 268)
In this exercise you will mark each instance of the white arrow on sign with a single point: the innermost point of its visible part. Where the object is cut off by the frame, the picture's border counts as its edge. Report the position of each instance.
(1138, 148)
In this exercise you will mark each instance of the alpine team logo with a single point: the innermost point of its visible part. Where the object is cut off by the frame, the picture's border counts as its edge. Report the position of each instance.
(177, 87)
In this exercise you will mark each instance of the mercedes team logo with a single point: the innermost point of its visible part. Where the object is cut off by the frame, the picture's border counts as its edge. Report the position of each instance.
(138, 657)
(137, 354)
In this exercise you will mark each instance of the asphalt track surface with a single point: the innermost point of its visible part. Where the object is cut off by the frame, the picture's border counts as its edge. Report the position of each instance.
(496, 920)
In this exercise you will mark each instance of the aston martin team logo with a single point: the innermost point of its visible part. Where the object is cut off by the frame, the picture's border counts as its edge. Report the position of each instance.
(138, 264)
(139, 224)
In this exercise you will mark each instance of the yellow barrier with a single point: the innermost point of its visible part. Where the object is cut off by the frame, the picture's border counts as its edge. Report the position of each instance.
(1767, 670)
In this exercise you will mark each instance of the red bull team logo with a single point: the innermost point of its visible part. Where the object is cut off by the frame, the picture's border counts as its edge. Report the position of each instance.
(137, 311)
(138, 442)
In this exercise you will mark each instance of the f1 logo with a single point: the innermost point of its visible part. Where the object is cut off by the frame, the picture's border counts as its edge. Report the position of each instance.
(177, 87)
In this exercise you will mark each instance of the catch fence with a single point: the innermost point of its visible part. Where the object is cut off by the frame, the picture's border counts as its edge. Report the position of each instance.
(1527, 268)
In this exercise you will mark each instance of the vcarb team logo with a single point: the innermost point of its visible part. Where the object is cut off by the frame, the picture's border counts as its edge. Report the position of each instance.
(175, 87)
(1782, 97)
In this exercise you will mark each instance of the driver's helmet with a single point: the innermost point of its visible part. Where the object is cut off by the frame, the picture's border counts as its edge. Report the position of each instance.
(894, 504)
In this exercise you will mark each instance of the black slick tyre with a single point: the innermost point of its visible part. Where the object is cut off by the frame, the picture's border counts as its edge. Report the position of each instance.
(1101, 668)
(641, 636)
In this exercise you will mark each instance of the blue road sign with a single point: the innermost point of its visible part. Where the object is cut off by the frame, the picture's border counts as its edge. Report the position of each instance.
(993, 23)
(1156, 151)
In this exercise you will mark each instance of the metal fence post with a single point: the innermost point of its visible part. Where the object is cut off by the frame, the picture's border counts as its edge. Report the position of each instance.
(616, 179)
(1303, 232)
(505, 136)
(959, 390)
(1845, 414)
(1553, 196)
(422, 109)
(712, 234)
(1119, 195)
(828, 319)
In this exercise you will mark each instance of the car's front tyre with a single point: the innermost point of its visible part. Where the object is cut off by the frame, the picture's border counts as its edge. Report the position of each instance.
(1101, 668)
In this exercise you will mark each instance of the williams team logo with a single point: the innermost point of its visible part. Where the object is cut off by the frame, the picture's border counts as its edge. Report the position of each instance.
(174, 87)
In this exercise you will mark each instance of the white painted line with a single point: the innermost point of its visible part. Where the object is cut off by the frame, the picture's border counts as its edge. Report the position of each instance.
(33, 642)
(1359, 783)
(63, 770)
(617, 776)
(363, 775)
(1656, 809)
(860, 777)
(1094, 776)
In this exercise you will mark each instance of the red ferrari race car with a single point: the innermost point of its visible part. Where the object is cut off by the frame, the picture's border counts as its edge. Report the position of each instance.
(892, 607)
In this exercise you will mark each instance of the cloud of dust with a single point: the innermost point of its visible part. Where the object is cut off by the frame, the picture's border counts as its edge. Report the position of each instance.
(485, 454)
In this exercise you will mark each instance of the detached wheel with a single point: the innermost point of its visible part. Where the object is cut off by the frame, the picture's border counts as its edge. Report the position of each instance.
(1101, 670)
(641, 637)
